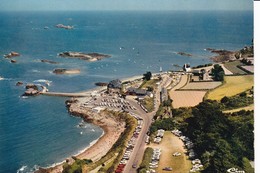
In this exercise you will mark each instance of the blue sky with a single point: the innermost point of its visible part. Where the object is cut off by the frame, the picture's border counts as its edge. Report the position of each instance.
(74, 5)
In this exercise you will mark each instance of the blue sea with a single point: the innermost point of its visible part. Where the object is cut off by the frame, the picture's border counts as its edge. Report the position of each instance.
(38, 131)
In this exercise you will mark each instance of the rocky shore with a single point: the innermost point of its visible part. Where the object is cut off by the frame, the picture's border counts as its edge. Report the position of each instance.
(84, 56)
(223, 55)
(101, 84)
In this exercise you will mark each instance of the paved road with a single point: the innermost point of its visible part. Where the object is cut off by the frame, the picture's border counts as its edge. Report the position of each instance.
(138, 151)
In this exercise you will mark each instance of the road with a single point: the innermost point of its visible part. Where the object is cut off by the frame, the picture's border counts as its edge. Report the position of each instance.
(138, 151)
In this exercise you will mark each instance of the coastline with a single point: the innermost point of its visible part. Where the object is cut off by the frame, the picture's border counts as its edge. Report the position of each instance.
(95, 150)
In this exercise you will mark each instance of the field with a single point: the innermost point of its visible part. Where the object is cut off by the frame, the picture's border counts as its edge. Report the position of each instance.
(233, 85)
(247, 108)
(169, 145)
(226, 71)
(232, 66)
(186, 98)
(148, 103)
(149, 83)
(182, 82)
(248, 68)
(201, 85)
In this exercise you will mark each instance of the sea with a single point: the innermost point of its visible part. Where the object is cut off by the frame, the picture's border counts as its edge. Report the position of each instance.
(38, 131)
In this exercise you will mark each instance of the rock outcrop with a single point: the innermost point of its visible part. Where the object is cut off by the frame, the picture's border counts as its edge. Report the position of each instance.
(66, 71)
(84, 56)
(11, 54)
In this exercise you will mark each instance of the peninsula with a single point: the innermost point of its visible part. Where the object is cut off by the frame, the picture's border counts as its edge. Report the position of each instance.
(84, 56)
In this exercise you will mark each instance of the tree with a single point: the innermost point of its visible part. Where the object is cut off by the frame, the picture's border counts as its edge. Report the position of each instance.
(246, 165)
(225, 99)
(150, 88)
(167, 102)
(147, 76)
(218, 73)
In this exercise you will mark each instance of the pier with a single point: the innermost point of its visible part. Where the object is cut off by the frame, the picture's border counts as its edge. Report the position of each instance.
(61, 94)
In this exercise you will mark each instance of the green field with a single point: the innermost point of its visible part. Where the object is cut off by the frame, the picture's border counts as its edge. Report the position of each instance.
(149, 83)
(148, 103)
(232, 66)
(232, 85)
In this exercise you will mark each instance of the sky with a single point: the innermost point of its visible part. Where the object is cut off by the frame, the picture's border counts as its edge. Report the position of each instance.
(147, 5)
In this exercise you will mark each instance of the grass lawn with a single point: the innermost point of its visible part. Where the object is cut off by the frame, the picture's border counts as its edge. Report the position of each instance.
(148, 103)
(232, 85)
(169, 145)
(247, 108)
(232, 66)
(149, 83)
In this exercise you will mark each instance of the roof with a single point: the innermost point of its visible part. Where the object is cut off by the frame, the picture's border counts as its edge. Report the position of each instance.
(137, 91)
(115, 84)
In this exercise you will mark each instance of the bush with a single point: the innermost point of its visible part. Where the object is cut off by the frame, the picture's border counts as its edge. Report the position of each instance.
(144, 166)
(165, 124)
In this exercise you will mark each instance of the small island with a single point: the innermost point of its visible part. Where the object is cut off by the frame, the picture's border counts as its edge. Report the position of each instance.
(49, 61)
(101, 84)
(13, 61)
(84, 56)
(66, 71)
(184, 54)
(19, 83)
(11, 54)
(31, 90)
(64, 26)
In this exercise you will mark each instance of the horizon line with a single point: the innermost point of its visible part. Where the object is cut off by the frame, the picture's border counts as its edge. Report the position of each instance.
(106, 10)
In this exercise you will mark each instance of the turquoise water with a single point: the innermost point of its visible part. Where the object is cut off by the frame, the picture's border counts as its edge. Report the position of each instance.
(38, 130)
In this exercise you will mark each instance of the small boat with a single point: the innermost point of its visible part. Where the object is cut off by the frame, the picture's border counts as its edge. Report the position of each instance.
(46, 27)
